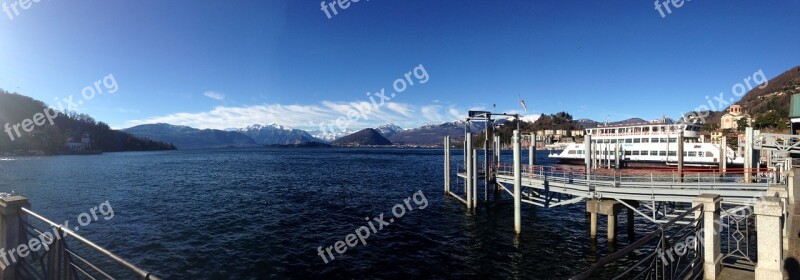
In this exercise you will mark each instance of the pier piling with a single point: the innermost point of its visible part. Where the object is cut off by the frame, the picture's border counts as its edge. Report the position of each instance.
(680, 155)
(517, 184)
(447, 164)
(468, 168)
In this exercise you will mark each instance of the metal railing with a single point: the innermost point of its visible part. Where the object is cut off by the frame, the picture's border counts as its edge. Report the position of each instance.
(663, 259)
(57, 260)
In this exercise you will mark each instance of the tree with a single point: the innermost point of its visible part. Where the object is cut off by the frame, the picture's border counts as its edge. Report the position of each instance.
(741, 124)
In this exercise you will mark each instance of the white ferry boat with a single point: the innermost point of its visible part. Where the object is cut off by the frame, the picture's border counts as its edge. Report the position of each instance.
(649, 144)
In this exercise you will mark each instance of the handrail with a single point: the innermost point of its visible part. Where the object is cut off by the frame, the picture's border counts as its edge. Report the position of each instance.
(67, 232)
(635, 245)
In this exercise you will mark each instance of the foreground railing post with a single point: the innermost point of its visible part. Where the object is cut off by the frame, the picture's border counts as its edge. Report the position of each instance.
(11, 232)
(710, 234)
(769, 211)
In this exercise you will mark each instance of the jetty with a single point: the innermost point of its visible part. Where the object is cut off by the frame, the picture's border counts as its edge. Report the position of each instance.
(705, 219)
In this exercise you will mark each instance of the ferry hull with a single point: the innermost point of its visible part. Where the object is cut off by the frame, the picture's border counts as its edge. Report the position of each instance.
(647, 164)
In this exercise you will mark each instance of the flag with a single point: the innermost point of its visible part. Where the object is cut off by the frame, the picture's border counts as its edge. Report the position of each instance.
(522, 102)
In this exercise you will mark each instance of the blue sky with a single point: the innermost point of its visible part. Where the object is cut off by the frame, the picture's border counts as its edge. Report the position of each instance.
(221, 64)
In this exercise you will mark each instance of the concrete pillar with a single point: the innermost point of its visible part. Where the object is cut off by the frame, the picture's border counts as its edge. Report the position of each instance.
(617, 155)
(587, 147)
(793, 185)
(781, 192)
(593, 225)
(517, 184)
(712, 253)
(468, 169)
(612, 227)
(12, 232)
(447, 164)
(769, 211)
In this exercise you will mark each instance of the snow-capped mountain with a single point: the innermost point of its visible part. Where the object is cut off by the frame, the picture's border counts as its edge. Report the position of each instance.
(270, 134)
(329, 135)
(388, 130)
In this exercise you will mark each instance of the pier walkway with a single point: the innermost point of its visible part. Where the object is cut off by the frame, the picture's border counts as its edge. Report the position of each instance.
(708, 217)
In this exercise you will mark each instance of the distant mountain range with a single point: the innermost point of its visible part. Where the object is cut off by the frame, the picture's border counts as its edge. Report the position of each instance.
(184, 137)
(364, 137)
(431, 135)
(273, 134)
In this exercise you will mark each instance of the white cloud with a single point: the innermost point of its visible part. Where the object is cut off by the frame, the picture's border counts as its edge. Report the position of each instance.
(362, 113)
(214, 95)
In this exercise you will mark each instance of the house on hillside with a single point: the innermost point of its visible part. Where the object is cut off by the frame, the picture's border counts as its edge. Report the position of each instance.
(85, 143)
(731, 118)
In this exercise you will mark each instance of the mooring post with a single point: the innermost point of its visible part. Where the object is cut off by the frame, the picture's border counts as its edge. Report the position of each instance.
(498, 149)
(587, 156)
(769, 211)
(517, 184)
(748, 154)
(723, 155)
(475, 176)
(532, 151)
(680, 155)
(12, 233)
(447, 164)
(630, 215)
(712, 252)
(616, 156)
(468, 169)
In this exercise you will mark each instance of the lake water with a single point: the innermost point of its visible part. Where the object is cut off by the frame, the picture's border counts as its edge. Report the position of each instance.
(262, 214)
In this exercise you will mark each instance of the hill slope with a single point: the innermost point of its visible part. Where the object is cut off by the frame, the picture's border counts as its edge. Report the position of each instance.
(364, 137)
(50, 138)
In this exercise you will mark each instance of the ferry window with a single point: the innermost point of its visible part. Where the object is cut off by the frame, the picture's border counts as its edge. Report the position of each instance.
(662, 153)
(613, 141)
(653, 153)
(654, 140)
(628, 153)
(635, 153)
(594, 141)
(580, 152)
(612, 153)
(692, 154)
(605, 141)
(645, 129)
(645, 140)
(628, 140)
(644, 153)
(673, 140)
(637, 140)
(673, 153)
(685, 154)
(709, 154)
(571, 152)
(662, 140)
